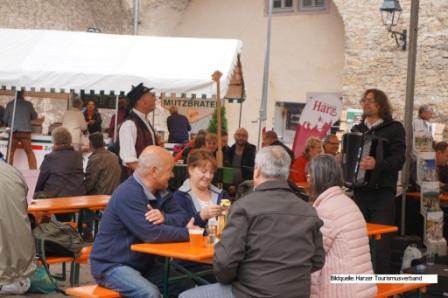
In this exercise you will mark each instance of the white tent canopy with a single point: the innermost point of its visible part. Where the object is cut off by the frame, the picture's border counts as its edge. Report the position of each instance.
(63, 61)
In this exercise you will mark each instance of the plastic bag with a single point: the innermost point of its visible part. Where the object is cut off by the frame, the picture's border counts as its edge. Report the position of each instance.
(42, 283)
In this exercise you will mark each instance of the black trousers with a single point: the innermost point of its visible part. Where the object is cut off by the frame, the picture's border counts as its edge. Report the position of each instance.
(378, 206)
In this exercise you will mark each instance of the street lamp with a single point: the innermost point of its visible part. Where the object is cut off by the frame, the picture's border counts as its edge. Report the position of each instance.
(390, 14)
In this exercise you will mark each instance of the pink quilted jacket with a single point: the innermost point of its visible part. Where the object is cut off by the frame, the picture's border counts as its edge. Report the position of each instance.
(346, 246)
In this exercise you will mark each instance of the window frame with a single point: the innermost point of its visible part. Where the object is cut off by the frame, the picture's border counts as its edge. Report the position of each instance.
(302, 8)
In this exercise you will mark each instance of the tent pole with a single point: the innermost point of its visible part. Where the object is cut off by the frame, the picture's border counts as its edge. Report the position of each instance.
(135, 16)
(241, 112)
(116, 119)
(216, 76)
(11, 131)
(264, 94)
(409, 107)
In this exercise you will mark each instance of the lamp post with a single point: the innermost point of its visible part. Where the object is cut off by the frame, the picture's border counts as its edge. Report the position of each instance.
(392, 7)
(390, 14)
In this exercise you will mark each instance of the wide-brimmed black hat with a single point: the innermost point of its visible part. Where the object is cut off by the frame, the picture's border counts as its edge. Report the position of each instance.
(136, 93)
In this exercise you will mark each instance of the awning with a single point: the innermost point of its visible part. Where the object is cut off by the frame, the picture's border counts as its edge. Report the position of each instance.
(60, 61)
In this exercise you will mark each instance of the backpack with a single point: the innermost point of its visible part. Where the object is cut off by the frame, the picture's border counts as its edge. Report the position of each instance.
(60, 239)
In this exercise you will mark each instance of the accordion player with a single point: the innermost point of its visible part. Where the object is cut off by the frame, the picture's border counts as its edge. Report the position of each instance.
(356, 146)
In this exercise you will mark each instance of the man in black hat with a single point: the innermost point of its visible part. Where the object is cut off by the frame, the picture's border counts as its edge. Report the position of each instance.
(136, 133)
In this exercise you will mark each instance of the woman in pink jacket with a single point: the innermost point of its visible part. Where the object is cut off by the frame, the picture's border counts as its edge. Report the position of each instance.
(344, 233)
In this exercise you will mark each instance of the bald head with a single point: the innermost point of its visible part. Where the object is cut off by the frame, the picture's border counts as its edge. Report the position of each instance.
(155, 166)
(241, 136)
(154, 156)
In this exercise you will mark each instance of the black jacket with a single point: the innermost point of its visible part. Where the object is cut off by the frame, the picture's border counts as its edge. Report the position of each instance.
(247, 160)
(61, 173)
(392, 134)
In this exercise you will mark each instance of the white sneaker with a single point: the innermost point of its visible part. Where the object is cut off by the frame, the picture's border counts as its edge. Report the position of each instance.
(16, 288)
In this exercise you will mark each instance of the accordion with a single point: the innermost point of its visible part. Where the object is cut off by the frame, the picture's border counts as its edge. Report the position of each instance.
(356, 146)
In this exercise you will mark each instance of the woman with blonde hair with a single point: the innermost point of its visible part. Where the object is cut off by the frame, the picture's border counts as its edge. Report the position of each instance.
(344, 233)
(313, 147)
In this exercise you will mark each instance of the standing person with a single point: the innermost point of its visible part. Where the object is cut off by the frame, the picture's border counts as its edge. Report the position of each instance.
(61, 172)
(422, 126)
(2, 113)
(122, 114)
(377, 199)
(330, 145)
(270, 138)
(140, 210)
(313, 147)
(271, 243)
(16, 240)
(344, 233)
(241, 157)
(75, 122)
(178, 126)
(136, 133)
(92, 117)
(23, 127)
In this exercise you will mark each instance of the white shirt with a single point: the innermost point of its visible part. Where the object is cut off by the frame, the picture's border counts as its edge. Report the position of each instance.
(75, 123)
(422, 127)
(376, 123)
(128, 138)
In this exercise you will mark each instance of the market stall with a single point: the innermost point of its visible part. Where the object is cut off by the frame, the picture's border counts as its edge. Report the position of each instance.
(62, 62)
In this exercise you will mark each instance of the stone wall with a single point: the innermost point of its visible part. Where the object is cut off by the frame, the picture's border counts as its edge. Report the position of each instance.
(373, 60)
(110, 16)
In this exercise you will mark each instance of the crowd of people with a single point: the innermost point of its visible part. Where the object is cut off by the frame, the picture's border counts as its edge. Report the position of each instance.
(275, 243)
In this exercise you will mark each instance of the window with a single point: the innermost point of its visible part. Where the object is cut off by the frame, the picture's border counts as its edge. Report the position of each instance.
(282, 5)
(310, 5)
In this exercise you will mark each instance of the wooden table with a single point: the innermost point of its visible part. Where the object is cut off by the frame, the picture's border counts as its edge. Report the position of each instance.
(416, 196)
(68, 204)
(179, 250)
(376, 230)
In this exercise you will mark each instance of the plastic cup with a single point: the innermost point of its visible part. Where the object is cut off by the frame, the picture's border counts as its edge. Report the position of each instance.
(430, 256)
(196, 238)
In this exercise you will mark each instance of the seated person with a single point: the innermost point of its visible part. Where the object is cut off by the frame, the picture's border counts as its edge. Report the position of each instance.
(271, 243)
(179, 155)
(313, 148)
(270, 138)
(140, 210)
(103, 174)
(346, 242)
(199, 143)
(17, 244)
(197, 196)
(61, 172)
(211, 143)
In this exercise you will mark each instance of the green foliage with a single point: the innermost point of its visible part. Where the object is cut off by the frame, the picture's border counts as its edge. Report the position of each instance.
(213, 124)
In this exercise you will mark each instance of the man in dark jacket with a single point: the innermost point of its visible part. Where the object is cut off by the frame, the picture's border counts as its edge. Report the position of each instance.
(61, 172)
(103, 170)
(376, 198)
(272, 241)
(140, 210)
(241, 157)
(178, 127)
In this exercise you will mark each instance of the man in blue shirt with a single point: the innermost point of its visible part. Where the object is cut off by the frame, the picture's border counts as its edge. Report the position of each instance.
(140, 210)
